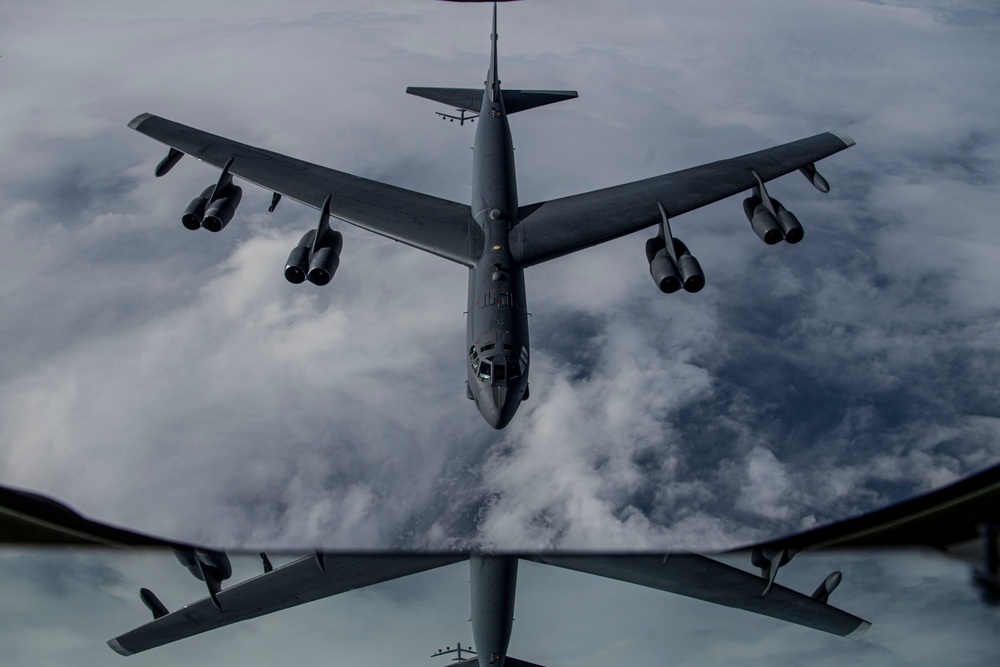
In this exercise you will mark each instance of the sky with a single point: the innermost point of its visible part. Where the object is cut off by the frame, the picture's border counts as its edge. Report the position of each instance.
(923, 609)
(172, 382)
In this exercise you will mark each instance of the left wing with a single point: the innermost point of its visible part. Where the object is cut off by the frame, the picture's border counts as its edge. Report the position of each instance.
(558, 227)
(310, 578)
(439, 226)
(709, 580)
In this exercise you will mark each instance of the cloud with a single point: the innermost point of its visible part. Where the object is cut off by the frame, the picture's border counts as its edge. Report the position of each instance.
(173, 382)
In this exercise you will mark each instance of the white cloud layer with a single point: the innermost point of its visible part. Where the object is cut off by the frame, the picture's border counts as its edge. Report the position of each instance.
(174, 383)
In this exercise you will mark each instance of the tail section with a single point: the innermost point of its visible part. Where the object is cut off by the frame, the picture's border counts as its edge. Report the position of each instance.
(471, 99)
(493, 77)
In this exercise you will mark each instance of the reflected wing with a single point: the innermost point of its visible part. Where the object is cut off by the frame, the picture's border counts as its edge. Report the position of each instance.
(709, 580)
(293, 584)
(561, 226)
(439, 226)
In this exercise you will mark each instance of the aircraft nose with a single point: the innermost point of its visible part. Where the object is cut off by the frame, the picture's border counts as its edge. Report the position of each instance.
(498, 411)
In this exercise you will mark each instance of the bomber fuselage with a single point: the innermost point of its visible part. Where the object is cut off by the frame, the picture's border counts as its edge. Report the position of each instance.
(497, 333)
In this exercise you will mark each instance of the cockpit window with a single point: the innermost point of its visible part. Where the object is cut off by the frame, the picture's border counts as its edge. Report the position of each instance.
(485, 369)
(499, 373)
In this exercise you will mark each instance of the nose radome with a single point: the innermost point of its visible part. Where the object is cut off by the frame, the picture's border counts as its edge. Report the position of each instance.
(497, 413)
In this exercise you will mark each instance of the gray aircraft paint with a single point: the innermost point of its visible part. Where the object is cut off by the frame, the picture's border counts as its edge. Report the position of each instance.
(494, 236)
(492, 582)
(497, 313)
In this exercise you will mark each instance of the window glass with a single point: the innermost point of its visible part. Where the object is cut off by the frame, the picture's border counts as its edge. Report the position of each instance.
(499, 373)
(485, 370)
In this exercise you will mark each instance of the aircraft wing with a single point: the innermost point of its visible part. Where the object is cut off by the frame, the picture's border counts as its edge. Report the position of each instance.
(699, 577)
(558, 227)
(439, 226)
(287, 586)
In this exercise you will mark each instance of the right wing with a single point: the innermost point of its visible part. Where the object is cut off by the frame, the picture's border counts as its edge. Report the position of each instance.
(287, 586)
(439, 226)
(699, 577)
(560, 226)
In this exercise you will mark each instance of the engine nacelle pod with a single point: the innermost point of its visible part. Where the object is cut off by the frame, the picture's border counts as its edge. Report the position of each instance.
(790, 225)
(325, 260)
(200, 562)
(692, 277)
(298, 259)
(764, 224)
(221, 211)
(195, 211)
(212, 567)
(661, 267)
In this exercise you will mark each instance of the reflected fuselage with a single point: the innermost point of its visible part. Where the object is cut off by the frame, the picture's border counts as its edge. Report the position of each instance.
(493, 581)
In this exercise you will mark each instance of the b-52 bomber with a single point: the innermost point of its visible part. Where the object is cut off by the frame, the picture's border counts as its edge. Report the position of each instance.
(494, 235)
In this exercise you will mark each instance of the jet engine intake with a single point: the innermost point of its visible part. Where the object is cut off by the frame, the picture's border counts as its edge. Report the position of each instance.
(764, 224)
(195, 211)
(221, 210)
(789, 224)
(324, 260)
(661, 266)
(298, 259)
(692, 277)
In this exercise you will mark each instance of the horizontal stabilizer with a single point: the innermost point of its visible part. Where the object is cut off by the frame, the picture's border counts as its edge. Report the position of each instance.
(471, 99)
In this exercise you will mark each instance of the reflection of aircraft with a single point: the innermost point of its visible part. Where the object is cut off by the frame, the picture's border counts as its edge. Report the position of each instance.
(961, 520)
(495, 237)
(493, 580)
(27, 518)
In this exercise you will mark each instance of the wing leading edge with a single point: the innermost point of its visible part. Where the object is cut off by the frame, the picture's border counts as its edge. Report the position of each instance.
(561, 226)
(438, 226)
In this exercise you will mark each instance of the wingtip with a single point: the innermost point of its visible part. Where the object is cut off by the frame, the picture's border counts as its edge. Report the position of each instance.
(137, 121)
(118, 648)
(861, 629)
(845, 137)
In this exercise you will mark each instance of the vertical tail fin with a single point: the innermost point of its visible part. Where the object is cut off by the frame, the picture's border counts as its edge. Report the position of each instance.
(493, 78)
